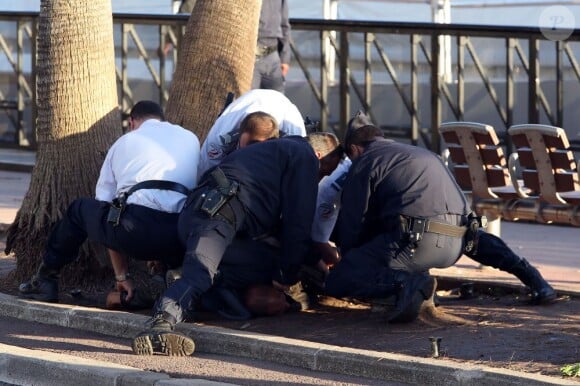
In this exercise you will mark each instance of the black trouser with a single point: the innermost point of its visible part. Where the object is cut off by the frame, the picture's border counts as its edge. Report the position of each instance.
(143, 233)
(206, 240)
(247, 262)
(366, 271)
(494, 252)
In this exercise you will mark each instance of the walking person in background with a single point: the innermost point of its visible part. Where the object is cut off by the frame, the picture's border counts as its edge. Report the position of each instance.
(273, 46)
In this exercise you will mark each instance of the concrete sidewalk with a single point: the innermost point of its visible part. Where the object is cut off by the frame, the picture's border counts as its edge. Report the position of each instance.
(389, 368)
(26, 367)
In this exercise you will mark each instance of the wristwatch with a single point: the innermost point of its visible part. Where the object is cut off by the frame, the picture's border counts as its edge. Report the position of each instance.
(123, 277)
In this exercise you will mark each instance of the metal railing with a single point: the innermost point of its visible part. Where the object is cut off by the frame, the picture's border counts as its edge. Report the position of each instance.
(394, 71)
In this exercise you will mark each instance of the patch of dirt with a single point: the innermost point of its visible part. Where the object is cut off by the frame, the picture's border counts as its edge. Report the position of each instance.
(496, 327)
(493, 328)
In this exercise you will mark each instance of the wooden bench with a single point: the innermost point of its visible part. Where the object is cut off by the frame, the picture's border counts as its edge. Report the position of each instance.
(482, 171)
(549, 171)
(479, 162)
(549, 188)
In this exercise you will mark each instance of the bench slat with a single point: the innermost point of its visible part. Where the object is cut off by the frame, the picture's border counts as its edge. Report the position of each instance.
(457, 154)
(462, 176)
(531, 180)
(497, 176)
(492, 155)
(563, 159)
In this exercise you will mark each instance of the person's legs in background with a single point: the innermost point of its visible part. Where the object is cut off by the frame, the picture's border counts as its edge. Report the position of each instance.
(268, 73)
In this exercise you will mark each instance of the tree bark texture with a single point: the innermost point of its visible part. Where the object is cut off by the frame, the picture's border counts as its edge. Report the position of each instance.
(78, 120)
(216, 56)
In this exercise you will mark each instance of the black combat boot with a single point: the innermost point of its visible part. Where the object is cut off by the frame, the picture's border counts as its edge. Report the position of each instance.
(161, 338)
(43, 286)
(413, 290)
(542, 292)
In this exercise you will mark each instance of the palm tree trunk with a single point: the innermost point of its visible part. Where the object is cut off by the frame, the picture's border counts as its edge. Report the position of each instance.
(78, 119)
(216, 56)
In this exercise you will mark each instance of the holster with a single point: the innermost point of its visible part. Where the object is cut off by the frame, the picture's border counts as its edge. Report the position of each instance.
(214, 199)
(412, 229)
(118, 204)
(116, 209)
(474, 223)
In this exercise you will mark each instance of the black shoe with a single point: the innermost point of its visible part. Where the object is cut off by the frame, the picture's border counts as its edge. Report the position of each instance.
(43, 288)
(161, 338)
(542, 292)
(414, 290)
(544, 295)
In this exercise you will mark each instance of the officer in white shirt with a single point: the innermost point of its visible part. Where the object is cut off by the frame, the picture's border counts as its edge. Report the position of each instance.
(158, 161)
(224, 135)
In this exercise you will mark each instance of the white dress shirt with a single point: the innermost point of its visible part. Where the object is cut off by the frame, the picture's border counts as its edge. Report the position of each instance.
(328, 202)
(154, 151)
(223, 136)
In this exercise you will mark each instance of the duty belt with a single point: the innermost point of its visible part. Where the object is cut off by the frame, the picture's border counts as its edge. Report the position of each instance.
(414, 227)
(444, 229)
(120, 202)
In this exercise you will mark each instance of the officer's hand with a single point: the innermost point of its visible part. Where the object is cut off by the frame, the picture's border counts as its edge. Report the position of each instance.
(127, 286)
(322, 267)
(279, 286)
(328, 253)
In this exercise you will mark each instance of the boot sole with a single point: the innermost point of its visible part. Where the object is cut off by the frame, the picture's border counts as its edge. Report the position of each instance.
(540, 300)
(167, 343)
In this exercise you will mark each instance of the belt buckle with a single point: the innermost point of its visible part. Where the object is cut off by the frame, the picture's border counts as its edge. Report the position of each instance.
(264, 50)
(260, 50)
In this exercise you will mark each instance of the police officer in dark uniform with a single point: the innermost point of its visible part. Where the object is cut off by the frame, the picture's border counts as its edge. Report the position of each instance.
(273, 46)
(402, 214)
(252, 192)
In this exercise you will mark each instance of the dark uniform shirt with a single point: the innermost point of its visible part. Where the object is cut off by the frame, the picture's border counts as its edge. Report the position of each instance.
(278, 179)
(274, 27)
(390, 179)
